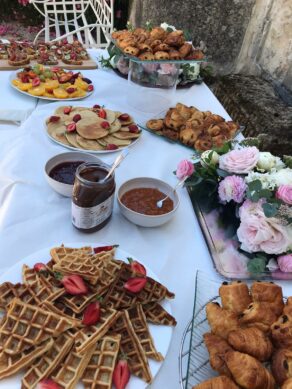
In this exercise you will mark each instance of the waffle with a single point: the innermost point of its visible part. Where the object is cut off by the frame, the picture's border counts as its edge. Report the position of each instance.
(156, 314)
(131, 347)
(27, 325)
(118, 297)
(11, 364)
(78, 302)
(9, 291)
(138, 321)
(58, 253)
(72, 368)
(45, 365)
(30, 276)
(88, 336)
(99, 371)
(59, 308)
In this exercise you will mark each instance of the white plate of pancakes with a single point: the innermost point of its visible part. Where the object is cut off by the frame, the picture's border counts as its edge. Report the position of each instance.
(161, 334)
(93, 133)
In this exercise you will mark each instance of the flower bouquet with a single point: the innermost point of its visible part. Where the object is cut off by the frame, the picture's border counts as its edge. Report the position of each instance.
(245, 200)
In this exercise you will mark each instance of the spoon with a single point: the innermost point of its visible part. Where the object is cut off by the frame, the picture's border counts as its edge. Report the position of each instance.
(117, 162)
(159, 203)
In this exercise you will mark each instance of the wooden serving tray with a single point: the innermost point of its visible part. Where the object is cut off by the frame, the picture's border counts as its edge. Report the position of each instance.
(86, 65)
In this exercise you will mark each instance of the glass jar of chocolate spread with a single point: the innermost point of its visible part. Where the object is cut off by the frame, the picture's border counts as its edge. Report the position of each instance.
(93, 197)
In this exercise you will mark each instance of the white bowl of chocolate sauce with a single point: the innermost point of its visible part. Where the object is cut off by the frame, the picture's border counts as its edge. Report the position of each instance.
(60, 170)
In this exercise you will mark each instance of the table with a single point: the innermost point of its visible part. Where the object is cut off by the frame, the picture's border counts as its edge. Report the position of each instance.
(33, 217)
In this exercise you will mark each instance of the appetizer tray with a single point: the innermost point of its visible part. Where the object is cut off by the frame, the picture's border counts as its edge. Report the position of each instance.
(161, 334)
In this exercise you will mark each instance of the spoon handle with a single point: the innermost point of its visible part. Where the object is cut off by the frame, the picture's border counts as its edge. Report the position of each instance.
(118, 160)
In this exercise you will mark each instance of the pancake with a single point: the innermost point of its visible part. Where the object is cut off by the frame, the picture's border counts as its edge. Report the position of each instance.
(88, 144)
(71, 138)
(126, 135)
(90, 128)
(115, 126)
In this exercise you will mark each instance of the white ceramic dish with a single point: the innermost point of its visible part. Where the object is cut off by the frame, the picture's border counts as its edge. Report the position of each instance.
(14, 75)
(59, 187)
(139, 218)
(161, 334)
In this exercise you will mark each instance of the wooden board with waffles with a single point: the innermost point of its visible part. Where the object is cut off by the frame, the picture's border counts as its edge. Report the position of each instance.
(81, 318)
(16, 55)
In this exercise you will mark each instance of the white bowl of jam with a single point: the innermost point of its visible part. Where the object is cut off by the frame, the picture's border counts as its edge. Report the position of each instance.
(60, 170)
(137, 199)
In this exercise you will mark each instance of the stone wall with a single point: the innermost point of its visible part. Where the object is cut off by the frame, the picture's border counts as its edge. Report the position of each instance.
(247, 36)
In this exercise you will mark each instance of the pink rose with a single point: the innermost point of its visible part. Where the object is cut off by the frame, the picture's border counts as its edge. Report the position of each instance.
(284, 193)
(239, 161)
(232, 188)
(259, 233)
(184, 169)
(285, 263)
(168, 68)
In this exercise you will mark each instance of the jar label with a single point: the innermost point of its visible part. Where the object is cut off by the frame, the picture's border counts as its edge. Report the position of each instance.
(86, 218)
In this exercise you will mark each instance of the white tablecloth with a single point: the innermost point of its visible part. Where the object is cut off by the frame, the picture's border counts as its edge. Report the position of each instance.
(33, 217)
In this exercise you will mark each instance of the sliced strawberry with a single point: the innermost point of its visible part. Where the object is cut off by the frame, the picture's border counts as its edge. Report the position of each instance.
(124, 117)
(133, 128)
(90, 88)
(102, 113)
(50, 90)
(71, 90)
(48, 384)
(55, 69)
(76, 118)
(38, 267)
(54, 119)
(32, 74)
(71, 127)
(137, 267)
(105, 125)
(104, 248)
(67, 110)
(74, 285)
(36, 81)
(91, 314)
(121, 375)
(135, 285)
(111, 146)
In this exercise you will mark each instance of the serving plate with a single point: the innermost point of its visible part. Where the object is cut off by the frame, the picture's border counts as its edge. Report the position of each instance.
(14, 75)
(161, 334)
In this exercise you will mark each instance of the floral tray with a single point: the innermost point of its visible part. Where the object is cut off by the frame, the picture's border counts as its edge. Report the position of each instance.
(219, 225)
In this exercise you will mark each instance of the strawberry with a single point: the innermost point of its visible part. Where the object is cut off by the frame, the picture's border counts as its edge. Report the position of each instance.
(135, 285)
(39, 267)
(32, 74)
(71, 127)
(102, 114)
(105, 125)
(133, 128)
(48, 384)
(111, 146)
(121, 375)
(90, 88)
(55, 69)
(124, 117)
(74, 285)
(91, 314)
(71, 90)
(137, 267)
(104, 248)
(96, 106)
(54, 119)
(76, 118)
(67, 110)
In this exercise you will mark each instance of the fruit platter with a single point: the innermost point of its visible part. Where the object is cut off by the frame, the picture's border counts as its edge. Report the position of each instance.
(96, 129)
(53, 83)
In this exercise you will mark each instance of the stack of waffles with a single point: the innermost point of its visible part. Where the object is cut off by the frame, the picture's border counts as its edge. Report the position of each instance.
(42, 331)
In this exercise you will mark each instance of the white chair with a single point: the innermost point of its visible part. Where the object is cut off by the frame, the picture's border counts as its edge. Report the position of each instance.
(68, 19)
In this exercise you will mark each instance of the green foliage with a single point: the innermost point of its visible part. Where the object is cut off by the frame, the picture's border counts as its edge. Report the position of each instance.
(288, 160)
(257, 265)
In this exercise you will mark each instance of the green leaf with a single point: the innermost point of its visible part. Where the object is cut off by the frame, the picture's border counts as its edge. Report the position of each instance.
(269, 209)
(255, 185)
(222, 173)
(265, 194)
(256, 265)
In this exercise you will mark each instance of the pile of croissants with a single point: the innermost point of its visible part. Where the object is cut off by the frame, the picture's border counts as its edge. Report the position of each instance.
(250, 343)
(156, 44)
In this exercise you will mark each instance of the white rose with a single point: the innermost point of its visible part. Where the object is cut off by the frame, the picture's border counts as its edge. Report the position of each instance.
(113, 62)
(266, 179)
(165, 26)
(283, 177)
(267, 161)
(209, 157)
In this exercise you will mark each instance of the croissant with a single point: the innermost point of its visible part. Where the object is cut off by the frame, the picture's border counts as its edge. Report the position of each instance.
(203, 143)
(287, 384)
(159, 55)
(147, 56)
(288, 307)
(248, 372)
(174, 54)
(251, 341)
(220, 320)
(188, 136)
(131, 50)
(158, 33)
(282, 365)
(258, 315)
(234, 296)
(185, 49)
(282, 331)
(220, 382)
(217, 348)
(270, 293)
(184, 111)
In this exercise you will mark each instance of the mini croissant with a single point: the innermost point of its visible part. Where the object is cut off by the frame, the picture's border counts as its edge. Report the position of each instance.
(248, 372)
(268, 292)
(234, 296)
(220, 382)
(287, 384)
(282, 332)
(251, 341)
(282, 365)
(217, 348)
(259, 315)
(288, 307)
(220, 320)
